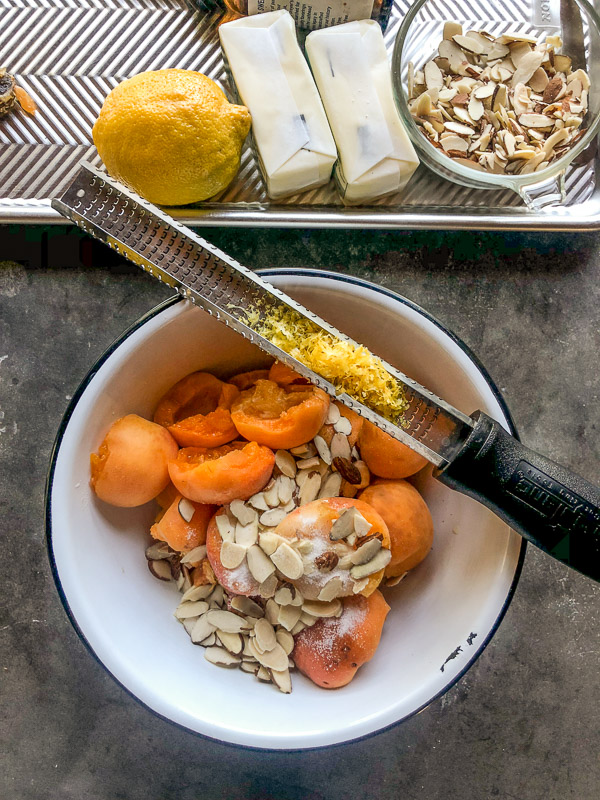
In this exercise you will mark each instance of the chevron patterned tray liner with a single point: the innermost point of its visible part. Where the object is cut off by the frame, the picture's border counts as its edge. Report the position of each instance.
(68, 54)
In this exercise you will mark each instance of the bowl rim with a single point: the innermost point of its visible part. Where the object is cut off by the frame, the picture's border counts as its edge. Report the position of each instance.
(140, 322)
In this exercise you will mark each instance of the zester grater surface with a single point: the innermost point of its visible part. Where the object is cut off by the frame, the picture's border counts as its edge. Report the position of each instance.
(227, 290)
(68, 54)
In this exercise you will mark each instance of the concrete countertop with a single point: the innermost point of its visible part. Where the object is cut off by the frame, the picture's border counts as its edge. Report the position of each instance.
(522, 723)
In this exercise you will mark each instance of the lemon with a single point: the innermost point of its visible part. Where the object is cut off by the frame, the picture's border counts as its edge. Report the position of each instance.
(171, 135)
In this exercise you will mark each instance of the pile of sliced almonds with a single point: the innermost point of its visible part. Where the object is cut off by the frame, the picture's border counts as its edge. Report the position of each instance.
(257, 635)
(502, 105)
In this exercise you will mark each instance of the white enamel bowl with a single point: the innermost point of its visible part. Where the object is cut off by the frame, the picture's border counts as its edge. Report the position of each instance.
(455, 599)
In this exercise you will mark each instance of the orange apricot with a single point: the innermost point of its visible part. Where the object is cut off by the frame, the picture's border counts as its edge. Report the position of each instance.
(385, 456)
(280, 417)
(130, 467)
(408, 519)
(234, 581)
(285, 376)
(331, 651)
(221, 474)
(183, 525)
(166, 497)
(356, 421)
(314, 521)
(245, 380)
(196, 411)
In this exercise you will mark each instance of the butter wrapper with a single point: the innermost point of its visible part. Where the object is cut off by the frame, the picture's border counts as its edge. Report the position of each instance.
(291, 133)
(350, 66)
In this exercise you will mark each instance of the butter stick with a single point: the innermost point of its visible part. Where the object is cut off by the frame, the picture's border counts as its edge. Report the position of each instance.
(350, 66)
(292, 135)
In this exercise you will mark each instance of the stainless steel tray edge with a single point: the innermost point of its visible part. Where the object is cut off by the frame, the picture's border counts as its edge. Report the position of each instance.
(233, 216)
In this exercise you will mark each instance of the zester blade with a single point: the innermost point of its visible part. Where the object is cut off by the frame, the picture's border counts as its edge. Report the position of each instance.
(204, 275)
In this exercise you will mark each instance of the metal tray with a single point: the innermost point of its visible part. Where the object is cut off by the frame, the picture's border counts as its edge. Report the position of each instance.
(68, 54)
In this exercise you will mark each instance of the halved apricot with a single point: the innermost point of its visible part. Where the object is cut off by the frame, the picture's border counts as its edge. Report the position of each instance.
(166, 497)
(385, 456)
(130, 467)
(280, 417)
(196, 411)
(408, 519)
(286, 376)
(356, 423)
(234, 581)
(331, 651)
(314, 521)
(244, 380)
(222, 474)
(183, 525)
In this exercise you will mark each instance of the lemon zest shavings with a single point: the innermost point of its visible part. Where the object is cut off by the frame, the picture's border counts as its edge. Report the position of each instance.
(351, 368)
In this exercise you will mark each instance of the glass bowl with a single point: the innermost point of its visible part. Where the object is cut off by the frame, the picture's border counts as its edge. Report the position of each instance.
(419, 36)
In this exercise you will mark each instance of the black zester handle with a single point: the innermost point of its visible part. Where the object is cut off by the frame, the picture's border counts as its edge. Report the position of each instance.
(553, 508)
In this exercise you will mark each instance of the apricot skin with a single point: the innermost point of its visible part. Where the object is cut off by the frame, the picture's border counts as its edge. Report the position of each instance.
(332, 650)
(130, 467)
(385, 456)
(408, 519)
(176, 532)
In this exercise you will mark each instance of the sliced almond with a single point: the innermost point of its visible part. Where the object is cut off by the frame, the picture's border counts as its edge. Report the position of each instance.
(562, 63)
(272, 517)
(331, 486)
(455, 143)
(286, 640)
(271, 495)
(247, 535)
(186, 509)
(221, 657)
(459, 128)
(250, 666)
(272, 659)
(323, 448)
(539, 80)
(452, 29)
(340, 447)
(202, 629)
(433, 77)
(194, 556)
(269, 586)
(343, 425)
(225, 527)
(343, 525)
(259, 565)
(475, 109)
(197, 592)
(380, 561)
(535, 121)
(233, 642)
(186, 610)
(288, 562)
(242, 512)
(331, 589)
(246, 606)
(333, 414)
(487, 90)
(285, 489)
(319, 609)
(286, 463)
(469, 44)
(310, 488)
(360, 585)
(265, 635)
(161, 569)
(282, 680)
(269, 542)
(227, 621)
(288, 616)
(308, 463)
(232, 554)
(527, 66)
(366, 552)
